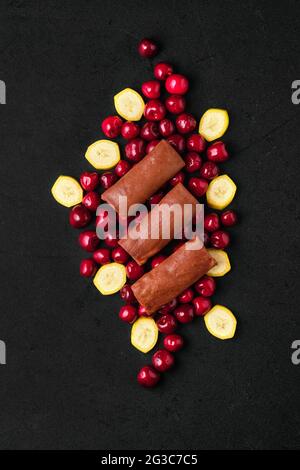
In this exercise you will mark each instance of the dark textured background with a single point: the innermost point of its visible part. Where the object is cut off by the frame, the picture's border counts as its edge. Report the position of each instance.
(69, 382)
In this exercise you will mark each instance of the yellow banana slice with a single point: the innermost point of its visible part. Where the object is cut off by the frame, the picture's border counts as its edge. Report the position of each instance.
(220, 192)
(144, 334)
(213, 124)
(129, 104)
(223, 264)
(220, 322)
(67, 191)
(103, 154)
(110, 278)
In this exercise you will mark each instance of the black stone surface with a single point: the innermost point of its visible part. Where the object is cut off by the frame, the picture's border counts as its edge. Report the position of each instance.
(69, 382)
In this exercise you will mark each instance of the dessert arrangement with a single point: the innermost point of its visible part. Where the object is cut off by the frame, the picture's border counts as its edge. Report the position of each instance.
(167, 159)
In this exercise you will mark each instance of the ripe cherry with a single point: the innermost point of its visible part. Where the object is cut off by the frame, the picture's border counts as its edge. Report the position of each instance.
(229, 218)
(122, 168)
(91, 201)
(152, 145)
(178, 178)
(169, 307)
(206, 286)
(220, 239)
(151, 89)
(128, 313)
(211, 222)
(102, 256)
(134, 271)
(119, 255)
(198, 186)
(142, 311)
(177, 141)
(127, 295)
(186, 296)
(111, 240)
(149, 131)
(107, 179)
(173, 343)
(79, 216)
(135, 150)
(201, 305)
(175, 104)
(162, 70)
(166, 323)
(130, 130)
(154, 110)
(111, 126)
(177, 84)
(147, 48)
(88, 240)
(193, 162)
(148, 376)
(89, 181)
(196, 143)
(162, 360)
(184, 313)
(166, 127)
(87, 267)
(156, 198)
(217, 152)
(209, 170)
(157, 261)
(185, 123)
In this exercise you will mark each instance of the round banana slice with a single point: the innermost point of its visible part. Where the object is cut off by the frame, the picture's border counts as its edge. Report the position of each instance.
(67, 191)
(220, 322)
(144, 334)
(213, 124)
(223, 264)
(110, 278)
(220, 192)
(103, 154)
(129, 104)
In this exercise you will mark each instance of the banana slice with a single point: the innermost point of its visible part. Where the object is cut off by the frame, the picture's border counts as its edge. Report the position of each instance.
(103, 154)
(110, 278)
(220, 192)
(213, 124)
(220, 322)
(67, 191)
(223, 264)
(129, 104)
(144, 334)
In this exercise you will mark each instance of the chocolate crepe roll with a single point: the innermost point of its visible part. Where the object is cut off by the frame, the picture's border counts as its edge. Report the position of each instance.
(160, 218)
(146, 177)
(179, 271)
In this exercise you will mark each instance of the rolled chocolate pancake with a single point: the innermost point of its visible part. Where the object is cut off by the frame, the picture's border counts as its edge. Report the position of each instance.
(179, 271)
(146, 177)
(169, 213)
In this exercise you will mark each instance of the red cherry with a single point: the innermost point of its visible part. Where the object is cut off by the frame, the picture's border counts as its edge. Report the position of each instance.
(107, 179)
(151, 89)
(154, 110)
(156, 198)
(173, 343)
(186, 296)
(169, 307)
(201, 305)
(166, 127)
(198, 186)
(88, 240)
(217, 152)
(149, 131)
(111, 241)
(111, 126)
(178, 178)
(91, 201)
(127, 295)
(229, 218)
(135, 150)
(177, 141)
(209, 170)
(185, 123)
(162, 360)
(87, 267)
(134, 271)
(89, 181)
(166, 323)
(177, 84)
(157, 260)
(184, 313)
(148, 377)
(162, 70)
(102, 256)
(175, 104)
(142, 311)
(119, 255)
(220, 239)
(193, 162)
(102, 218)
(206, 286)
(147, 48)
(79, 216)
(128, 313)
(211, 222)
(196, 143)
(122, 168)
(130, 130)
(151, 145)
